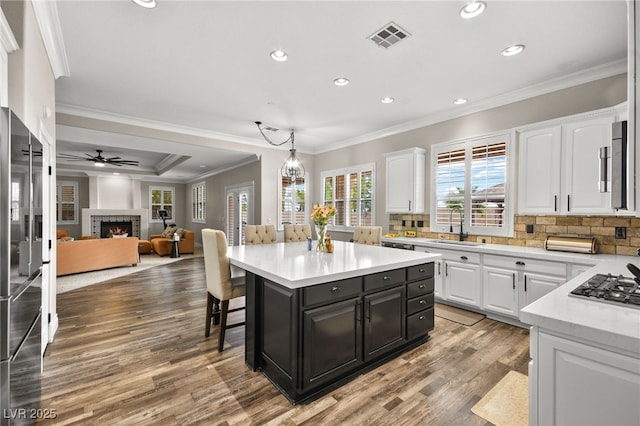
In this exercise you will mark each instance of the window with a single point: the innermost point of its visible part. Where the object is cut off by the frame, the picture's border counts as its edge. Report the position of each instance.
(199, 196)
(350, 191)
(15, 201)
(67, 203)
(292, 201)
(161, 198)
(471, 187)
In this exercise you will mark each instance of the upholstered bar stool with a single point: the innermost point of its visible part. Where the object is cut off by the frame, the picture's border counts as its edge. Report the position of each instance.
(222, 286)
(259, 234)
(295, 233)
(371, 235)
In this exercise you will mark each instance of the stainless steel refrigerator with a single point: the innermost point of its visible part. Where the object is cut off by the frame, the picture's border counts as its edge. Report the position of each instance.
(21, 202)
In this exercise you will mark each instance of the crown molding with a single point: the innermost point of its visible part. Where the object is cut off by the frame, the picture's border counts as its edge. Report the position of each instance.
(7, 39)
(564, 82)
(46, 12)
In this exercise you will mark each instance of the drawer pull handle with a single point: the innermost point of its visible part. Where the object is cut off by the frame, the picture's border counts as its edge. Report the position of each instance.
(422, 317)
(385, 278)
(464, 257)
(335, 289)
(423, 302)
(421, 286)
(520, 263)
(421, 270)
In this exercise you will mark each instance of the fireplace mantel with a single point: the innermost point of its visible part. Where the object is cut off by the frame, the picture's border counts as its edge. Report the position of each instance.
(143, 214)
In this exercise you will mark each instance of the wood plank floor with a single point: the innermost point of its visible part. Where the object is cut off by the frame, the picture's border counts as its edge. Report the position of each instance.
(132, 351)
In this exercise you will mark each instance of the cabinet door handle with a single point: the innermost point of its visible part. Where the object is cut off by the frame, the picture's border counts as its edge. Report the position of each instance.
(385, 278)
(422, 317)
(520, 263)
(568, 203)
(358, 310)
(335, 289)
(423, 302)
(440, 264)
(464, 258)
(555, 203)
(514, 280)
(421, 270)
(446, 269)
(409, 205)
(367, 311)
(525, 283)
(421, 286)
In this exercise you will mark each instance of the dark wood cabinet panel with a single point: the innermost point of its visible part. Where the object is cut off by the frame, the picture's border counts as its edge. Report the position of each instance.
(420, 324)
(384, 323)
(332, 337)
(419, 303)
(420, 272)
(279, 326)
(383, 279)
(420, 288)
(332, 291)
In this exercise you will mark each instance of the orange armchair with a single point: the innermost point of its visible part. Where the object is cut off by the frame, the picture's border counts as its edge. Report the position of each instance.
(162, 244)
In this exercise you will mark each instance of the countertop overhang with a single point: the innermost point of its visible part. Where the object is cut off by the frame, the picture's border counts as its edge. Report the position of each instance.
(294, 266)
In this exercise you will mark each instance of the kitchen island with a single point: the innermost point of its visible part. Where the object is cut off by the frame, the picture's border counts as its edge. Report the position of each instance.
(585, 356)
(317, 320)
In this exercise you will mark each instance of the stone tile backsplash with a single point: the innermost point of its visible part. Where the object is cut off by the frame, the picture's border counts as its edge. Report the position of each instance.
(601, 227)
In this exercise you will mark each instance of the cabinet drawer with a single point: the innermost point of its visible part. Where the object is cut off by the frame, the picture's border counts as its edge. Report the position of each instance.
(458, 256)
(383, 279)
(419, 324)
(419, 303)
(419, 272)
(419, 288)
(527, 265)
(329, 292)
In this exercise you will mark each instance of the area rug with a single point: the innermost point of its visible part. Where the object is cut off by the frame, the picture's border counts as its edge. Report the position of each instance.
(507, 403)
(457, 315)
(74, 281)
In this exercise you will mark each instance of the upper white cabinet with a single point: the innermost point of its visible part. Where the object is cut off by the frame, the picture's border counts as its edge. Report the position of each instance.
(405, 181)
(540, 163)
(561, 170)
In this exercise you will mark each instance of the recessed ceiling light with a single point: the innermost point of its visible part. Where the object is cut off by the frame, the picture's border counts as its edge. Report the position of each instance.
(460, 101)
(116, 173)
(387, 100)
(147, 4)
(202, 166)
(341, 81)
(279, 55)
(472, 9)
(513, 50)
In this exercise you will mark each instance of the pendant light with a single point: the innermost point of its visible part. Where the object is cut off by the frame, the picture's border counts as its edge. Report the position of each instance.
(292, 168)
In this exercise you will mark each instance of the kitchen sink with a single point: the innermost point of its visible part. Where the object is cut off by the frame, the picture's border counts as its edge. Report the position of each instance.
(456, 243)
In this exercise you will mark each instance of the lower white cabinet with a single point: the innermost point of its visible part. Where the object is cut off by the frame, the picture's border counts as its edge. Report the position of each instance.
(575, 382)
(537, 285)
(500, 290)
(462, 282)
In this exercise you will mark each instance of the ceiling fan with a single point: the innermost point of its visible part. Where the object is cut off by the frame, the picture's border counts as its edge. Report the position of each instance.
(99, 160)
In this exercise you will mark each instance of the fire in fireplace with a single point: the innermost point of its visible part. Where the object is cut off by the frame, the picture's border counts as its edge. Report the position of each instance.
(110, 228)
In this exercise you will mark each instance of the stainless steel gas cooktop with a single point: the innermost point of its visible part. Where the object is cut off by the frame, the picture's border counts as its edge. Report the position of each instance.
(609, 288)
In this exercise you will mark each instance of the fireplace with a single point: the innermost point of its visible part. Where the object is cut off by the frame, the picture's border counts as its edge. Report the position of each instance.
(92, 221)
(110, 228)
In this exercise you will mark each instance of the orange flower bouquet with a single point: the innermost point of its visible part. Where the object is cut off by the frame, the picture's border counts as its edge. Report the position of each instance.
(320, 217)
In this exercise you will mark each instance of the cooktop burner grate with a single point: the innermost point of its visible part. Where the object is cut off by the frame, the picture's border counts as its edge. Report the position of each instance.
(609, 288)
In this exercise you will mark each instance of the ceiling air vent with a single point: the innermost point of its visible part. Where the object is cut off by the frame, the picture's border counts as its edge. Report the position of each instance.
(389, 35)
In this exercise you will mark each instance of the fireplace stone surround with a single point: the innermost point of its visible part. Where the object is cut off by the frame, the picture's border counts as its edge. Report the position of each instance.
(92, 218)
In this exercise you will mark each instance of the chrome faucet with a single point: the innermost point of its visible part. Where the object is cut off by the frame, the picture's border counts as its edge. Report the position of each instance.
(462, 235)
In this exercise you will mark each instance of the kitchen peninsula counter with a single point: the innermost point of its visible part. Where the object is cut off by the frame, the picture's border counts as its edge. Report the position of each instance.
(316, 320)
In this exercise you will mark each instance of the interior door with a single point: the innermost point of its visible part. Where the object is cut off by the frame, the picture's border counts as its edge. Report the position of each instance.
(239, 212)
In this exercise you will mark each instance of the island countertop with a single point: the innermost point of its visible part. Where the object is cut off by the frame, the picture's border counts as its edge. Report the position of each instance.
(294, 266)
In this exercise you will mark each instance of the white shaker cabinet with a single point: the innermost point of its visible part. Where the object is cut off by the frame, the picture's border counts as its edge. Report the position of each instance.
(540, 164)
(462, 282)
(405, 181)
(560, 167)
(500, 287)
(535, 286)
(582, 166)
(575, 382)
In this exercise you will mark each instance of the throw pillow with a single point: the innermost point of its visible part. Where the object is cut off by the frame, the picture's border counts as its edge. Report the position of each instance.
(168, 232)
(180, 232)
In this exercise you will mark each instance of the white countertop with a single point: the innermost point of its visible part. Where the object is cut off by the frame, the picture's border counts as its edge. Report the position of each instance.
(607, 324)
(508, 250)
(293, 266)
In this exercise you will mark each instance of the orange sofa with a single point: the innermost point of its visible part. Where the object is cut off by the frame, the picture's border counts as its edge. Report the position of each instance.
(92, 255)
(162, 245)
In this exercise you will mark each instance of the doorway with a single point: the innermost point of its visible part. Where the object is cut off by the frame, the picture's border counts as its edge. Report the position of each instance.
(239, 211)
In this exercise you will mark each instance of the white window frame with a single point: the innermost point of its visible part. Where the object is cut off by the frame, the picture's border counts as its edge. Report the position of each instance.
(199, 202)
(510, 203)
(291, 202)
(346, 171)
(171, 189)
(75, 220)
